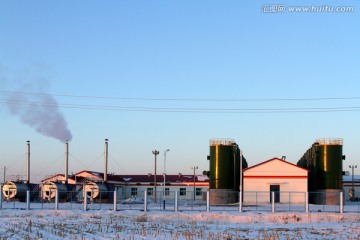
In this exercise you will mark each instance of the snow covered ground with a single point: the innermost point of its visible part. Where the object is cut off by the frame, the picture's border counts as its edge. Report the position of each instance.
(135, 224)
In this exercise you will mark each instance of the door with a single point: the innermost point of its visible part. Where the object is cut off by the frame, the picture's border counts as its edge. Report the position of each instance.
(276, 190)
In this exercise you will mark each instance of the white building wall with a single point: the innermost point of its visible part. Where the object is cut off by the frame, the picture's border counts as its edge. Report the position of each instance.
(184, 192)
(291, 179)
(292, 190)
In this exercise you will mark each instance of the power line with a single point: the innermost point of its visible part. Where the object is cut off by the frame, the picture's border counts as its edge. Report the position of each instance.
(185, 99)
(185, 110)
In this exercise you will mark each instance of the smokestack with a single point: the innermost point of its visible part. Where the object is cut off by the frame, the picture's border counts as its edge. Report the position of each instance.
(105, 160)
(28, 162)
(66, 161)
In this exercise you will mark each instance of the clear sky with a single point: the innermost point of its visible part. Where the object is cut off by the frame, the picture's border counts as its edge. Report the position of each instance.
(173, 75)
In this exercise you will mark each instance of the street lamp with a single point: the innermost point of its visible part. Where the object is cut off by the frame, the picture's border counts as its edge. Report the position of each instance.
(241, 183)
(352, 182)
(194, 167)
(155, 152)
(241, 171)
(165, 169)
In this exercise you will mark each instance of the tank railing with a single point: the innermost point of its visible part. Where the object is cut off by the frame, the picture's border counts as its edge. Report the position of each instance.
(329, 141)
(222, 141)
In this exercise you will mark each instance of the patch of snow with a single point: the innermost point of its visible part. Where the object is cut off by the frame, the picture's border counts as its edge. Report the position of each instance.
(135, 224)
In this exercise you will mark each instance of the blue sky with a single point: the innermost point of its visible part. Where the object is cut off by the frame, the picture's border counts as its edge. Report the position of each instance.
(171, 54)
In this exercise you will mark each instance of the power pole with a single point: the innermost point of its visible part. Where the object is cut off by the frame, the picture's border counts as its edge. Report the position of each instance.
(155, 152)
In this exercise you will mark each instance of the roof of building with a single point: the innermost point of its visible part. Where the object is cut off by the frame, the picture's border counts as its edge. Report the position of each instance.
(274, 159)
(130, 178)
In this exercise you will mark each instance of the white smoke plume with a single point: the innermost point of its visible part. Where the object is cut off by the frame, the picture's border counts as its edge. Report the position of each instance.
(25, 97)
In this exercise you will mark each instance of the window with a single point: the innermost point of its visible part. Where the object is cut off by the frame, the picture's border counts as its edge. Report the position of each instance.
(133, 191)
(198, 191)
(150, 191)
(182, 191)
(167, 191)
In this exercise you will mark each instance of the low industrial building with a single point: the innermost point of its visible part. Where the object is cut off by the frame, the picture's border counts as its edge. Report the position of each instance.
(288, 181)
(127, 187)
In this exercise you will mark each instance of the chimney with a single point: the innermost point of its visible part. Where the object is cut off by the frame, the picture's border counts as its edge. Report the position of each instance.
(66, 161)
(28, 162)
(105, 160)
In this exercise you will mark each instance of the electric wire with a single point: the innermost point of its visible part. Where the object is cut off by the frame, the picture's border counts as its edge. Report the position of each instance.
(51, 164)
(92, 163)
(77, 160)
(184, 99)
(113, 160)
(186, 110)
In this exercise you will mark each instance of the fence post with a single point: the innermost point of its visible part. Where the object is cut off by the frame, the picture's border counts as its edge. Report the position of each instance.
(176, 201)
(0, 196)
(240, 202)
(85, 201)
(256, 200)
(273, 201)
(307, 202)
(115, 202)
(207, 201)
(145, 201)
(27, 200)
(56, 199)
(289, 201)
(341, 202)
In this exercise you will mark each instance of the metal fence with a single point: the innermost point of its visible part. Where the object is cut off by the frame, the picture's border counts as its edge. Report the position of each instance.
(173, 201)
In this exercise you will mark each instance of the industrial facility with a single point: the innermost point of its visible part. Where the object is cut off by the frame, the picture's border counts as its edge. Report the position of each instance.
(319, 172)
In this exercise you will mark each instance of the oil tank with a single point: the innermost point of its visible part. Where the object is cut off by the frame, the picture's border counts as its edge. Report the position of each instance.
(95, 190)
(325, 161)
(15, 190)
(48, 190)
(329, 163)
(329, 167)
(224, 179)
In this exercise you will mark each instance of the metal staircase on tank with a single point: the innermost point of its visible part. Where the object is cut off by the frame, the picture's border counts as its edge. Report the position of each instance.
(74, 193)
(36, 191)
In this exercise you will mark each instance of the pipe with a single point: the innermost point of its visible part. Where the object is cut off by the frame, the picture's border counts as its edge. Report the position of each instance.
(66, 161)
(28, 162)
(106, 160)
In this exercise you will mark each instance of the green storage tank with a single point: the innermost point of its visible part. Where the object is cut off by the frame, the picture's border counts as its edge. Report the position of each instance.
(329, 166)
(325, 161)
(224, 179)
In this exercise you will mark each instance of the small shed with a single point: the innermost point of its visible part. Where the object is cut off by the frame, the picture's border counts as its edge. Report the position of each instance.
(288, 181)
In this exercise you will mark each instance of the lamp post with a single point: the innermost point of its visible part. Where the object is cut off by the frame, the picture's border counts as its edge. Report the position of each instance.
(194, 167)
(241, 171)
(352, 180)
(241, 183)
(165, 169)
(155, 152)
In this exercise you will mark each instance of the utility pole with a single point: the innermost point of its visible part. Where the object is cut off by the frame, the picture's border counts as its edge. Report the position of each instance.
(155, 152)
(194, 167)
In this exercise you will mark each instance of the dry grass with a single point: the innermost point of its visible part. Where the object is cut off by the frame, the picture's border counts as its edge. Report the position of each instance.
(96, 226)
